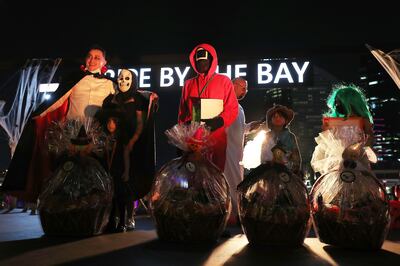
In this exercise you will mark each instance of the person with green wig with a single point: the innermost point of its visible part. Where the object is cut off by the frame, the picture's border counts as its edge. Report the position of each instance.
(347, 102)
(347, 123)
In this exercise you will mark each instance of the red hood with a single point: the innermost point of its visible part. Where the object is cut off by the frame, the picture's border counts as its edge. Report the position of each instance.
(212, 51)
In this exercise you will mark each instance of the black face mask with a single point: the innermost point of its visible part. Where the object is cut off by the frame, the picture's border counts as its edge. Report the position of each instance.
(203, 65)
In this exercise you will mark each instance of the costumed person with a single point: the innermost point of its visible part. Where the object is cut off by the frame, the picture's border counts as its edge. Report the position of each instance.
(349, 204)
(131, 167)
(234, 151)
(80, 94)
(273, 199)
(348, 120)
(209, 97)
(278, 120)
(86, 97)
(77, 199)
(114, 164)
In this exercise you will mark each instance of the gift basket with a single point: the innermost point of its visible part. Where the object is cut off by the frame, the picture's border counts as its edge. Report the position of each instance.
(190, 199)
(349, 204)
(273, 205)
(77, 199)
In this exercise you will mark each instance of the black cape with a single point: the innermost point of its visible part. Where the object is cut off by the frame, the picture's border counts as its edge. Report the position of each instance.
(23, 178)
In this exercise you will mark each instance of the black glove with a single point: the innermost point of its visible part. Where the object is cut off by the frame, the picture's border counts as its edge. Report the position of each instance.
(214, 123)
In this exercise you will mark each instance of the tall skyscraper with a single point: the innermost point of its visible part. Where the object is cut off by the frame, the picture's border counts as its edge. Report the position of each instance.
(384, 101)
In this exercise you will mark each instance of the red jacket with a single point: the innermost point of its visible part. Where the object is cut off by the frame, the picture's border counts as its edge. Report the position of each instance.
(220, 87)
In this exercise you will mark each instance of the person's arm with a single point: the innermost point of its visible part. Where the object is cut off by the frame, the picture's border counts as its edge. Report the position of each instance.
(138, 131)
(128, 148)
(154, 100)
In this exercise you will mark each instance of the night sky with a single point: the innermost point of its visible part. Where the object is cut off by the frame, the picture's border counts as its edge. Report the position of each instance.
(131, 29)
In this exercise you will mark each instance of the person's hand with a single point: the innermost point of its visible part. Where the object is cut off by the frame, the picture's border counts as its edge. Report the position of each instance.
(214, 123)
(154, 97)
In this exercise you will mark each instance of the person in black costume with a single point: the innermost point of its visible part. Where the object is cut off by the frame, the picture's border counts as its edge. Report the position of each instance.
(113, 163)
(133, 165)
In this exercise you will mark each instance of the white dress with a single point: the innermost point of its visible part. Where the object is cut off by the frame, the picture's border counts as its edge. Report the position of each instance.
(234, 154)
(331, 143)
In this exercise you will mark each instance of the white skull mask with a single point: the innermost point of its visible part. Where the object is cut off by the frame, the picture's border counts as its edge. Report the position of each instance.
(124, 80)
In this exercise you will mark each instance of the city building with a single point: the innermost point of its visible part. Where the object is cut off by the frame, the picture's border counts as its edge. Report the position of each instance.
(384, 101)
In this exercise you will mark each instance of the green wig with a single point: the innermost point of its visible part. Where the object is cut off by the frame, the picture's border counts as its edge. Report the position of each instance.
(346, 100)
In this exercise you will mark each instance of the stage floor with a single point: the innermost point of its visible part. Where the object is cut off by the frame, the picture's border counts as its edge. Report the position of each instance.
(22, 243)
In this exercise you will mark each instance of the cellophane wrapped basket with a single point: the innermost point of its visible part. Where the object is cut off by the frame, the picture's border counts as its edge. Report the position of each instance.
(349, 204)
(77, 199)
(273, 206)
(190, 199)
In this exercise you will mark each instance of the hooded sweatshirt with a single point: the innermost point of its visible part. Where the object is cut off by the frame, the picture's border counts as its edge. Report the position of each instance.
(219, 87)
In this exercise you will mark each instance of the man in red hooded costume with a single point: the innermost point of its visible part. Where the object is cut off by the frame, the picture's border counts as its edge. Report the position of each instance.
(209, 85)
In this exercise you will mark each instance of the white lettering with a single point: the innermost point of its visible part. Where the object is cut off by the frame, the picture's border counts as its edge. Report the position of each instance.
(166, 74)
(300, 72)
(228, 72)
(143, 77)
(181, 75)
(266, 73)
(283, 73)
(264, 70)
(237, 70)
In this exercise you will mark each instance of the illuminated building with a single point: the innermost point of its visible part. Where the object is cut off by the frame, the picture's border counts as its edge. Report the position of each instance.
(384, 101)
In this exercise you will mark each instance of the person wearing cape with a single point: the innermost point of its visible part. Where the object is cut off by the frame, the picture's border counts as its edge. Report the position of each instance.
(133, 163)
(80, 94)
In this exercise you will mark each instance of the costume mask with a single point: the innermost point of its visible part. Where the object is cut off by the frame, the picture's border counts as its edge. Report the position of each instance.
(203, 60)
(124, 80)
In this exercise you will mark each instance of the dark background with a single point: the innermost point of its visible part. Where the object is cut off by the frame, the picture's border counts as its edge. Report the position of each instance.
(130, 30)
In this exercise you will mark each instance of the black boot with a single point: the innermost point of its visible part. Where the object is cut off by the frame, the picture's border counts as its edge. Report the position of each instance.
(122, 214)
